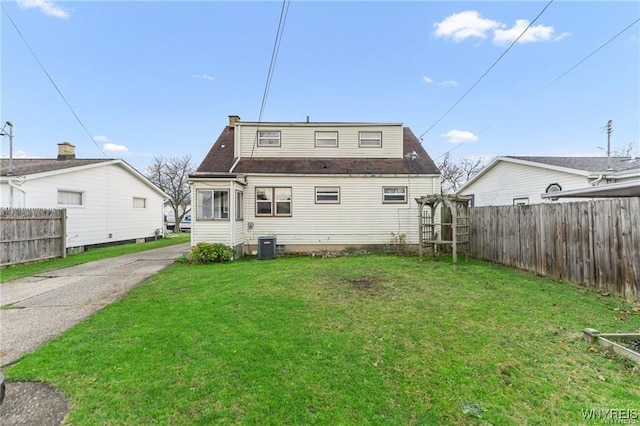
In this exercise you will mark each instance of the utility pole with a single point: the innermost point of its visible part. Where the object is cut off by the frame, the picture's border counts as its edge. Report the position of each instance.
(609, 130)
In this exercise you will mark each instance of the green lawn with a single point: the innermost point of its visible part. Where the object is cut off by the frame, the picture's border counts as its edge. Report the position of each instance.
(20, 271)
(378, 340)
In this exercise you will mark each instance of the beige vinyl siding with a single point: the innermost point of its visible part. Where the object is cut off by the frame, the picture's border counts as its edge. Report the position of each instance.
(299, 141)
(212, 230)
(360, 218)
(107, 208)
(507, 181)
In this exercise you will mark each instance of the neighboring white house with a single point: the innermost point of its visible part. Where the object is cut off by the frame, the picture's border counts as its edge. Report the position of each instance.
(524, 180)
(107, 200)
(312, 186)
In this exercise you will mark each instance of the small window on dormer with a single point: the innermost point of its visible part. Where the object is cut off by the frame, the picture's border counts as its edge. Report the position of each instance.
(326, 139)
(370, 139)
(269, 138)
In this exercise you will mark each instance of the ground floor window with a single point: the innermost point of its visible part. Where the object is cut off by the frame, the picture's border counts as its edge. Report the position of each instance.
(394, 194)
(139, 203)
(239, 205)
(273, 201)
(212, 204)
(70, 198)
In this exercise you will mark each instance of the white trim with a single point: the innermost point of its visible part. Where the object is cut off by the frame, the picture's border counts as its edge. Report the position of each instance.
(599, 191)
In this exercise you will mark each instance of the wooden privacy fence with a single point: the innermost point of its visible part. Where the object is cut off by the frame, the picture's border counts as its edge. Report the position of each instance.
(27, 235)
(593, 243)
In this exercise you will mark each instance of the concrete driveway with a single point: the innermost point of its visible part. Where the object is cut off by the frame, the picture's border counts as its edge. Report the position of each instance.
(38, 308)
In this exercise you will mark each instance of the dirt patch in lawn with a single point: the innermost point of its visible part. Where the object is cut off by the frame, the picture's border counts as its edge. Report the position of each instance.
(369, 285)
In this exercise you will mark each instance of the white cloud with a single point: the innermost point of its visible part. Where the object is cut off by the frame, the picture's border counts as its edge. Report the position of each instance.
(534, 34)
(464, 25)
(634, 38)
(113, 147)
(203, 77)
(427, 79)
(109, 146)
(448, 83)
(47, 7)
(470, 23)
(459, 136)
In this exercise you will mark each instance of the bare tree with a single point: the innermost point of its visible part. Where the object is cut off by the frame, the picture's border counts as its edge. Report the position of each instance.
(171, 174)
(624, 151)
(454, 174)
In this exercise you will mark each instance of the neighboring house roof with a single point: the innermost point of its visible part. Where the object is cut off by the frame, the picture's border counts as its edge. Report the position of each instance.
(34, 168)
(587, 164)
(616, 167)
(624, 189)
(220, 160)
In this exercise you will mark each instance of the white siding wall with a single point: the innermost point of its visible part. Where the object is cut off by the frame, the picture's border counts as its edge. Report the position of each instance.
(108, 204)
(211, 230)
(360, 218)
(299, 141)
(506, 181)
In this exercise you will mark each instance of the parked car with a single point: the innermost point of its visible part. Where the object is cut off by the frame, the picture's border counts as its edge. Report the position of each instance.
(185, 224)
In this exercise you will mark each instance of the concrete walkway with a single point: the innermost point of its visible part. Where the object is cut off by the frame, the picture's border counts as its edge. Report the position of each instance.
(38, 308)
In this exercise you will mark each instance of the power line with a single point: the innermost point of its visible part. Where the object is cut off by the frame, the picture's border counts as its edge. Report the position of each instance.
(593, 53)
(274, 56)
(487, 71)
(51, 79)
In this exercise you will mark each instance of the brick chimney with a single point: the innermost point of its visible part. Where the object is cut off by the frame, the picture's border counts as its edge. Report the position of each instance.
(66, 151)
(233, 119)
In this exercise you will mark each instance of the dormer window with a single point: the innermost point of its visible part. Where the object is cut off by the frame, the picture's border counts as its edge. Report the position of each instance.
(269, 138)
(370, 139)
(326, 139)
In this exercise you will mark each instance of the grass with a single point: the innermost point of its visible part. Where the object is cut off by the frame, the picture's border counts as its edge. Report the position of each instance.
(378, 340)
(9, 273)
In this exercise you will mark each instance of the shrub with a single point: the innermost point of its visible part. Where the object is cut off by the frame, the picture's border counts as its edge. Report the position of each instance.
(209, 253)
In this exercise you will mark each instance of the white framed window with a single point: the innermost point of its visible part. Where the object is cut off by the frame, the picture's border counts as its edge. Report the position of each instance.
(269, 138)
(239, 205)
(273, 201)
(327, 195)
(522, 201)
(394, 194)
(370, 139)
(70, 198)
(139, 203)
(325, 139)
(212, 204)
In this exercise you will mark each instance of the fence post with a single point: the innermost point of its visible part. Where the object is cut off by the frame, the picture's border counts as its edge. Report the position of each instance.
(63, 238)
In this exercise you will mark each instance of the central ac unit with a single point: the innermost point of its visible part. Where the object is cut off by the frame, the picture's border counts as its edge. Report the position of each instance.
(266, 248)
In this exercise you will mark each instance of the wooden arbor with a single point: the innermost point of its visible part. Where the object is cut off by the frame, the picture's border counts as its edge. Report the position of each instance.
(443, 229)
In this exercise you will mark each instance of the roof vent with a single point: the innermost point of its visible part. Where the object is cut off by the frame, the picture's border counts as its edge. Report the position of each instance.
(66, 151)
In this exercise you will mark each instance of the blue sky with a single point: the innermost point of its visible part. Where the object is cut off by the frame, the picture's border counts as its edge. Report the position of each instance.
(160, 78)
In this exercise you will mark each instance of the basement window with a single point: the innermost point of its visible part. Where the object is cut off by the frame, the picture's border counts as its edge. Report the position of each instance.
(523, 201)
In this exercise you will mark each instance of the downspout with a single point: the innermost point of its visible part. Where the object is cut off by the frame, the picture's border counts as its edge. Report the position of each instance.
(597, 181)
(234, 165)
(232, 214)
(12, 185)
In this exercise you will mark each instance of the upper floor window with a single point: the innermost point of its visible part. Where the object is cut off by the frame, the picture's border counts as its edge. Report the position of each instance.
(212, 204)
(394, 194)
(370, 139)
(273, 201)
(326, 139)
(327, 195)
(139, 203)
(269, 138)
(70, 198)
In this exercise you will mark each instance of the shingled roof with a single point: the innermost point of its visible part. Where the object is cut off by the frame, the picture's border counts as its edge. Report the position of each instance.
(220, 159)
(587, 164)
(30, 166)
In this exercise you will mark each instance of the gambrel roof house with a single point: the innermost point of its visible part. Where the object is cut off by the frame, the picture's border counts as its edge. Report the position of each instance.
(512, 180)
(312, 186)
(107, 200)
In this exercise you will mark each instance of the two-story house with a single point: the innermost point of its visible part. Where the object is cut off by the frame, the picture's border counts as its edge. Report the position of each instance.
(312, 186)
